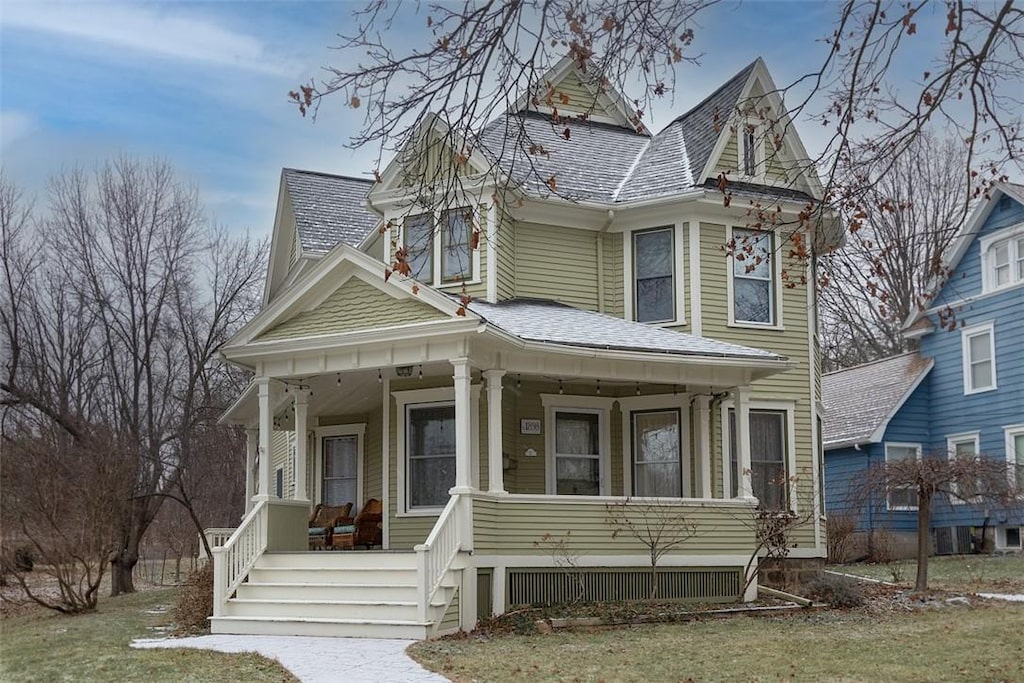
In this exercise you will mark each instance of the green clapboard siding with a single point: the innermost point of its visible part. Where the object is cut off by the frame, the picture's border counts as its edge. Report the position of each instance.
(356, 305)
(517, 527)
(614, 288)
(557, 263)
(572, 96)
(506, 259)
(282, 460)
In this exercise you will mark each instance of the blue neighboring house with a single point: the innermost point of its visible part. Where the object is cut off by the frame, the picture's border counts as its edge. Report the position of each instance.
(961, 394)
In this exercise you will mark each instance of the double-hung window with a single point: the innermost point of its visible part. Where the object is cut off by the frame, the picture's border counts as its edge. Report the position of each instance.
(577, 453)
(1004, 262)
(340, 469)
(430, 453)
(753, 277)
(1015, 455)
(901, 497)
(439, 246)
(768, 476)
(657, 470)
(653, 275)
(979, 358)
(964, 449)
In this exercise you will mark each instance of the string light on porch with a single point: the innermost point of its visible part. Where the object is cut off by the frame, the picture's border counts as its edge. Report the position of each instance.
(638, 388)
(560, 389)
(519, 381)
(421, 370)
(380, 376)
(339, 379)
(599, 387)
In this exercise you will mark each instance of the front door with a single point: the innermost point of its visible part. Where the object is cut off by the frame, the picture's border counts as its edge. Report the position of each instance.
(340, 483)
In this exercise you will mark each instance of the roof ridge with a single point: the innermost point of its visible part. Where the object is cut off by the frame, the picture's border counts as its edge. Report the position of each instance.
(632, 168)
(572, 119)
(340, 176)
(872, 362)
(716, 91)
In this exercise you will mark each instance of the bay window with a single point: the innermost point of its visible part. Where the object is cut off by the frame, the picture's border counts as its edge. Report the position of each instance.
(657, 469)
(440, 247)
(769, 478)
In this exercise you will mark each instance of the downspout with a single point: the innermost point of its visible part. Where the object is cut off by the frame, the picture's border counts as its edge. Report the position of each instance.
(599, 241)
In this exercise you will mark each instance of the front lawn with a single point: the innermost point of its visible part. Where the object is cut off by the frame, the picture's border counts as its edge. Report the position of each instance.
(988, 573)
(949, 643)
(38, 645)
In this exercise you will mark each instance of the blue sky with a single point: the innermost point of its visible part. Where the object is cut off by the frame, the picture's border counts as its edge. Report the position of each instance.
(204, 85)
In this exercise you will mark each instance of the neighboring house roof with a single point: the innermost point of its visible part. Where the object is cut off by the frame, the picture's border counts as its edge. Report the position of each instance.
(860, 401)
(550, 322)
(329, 209)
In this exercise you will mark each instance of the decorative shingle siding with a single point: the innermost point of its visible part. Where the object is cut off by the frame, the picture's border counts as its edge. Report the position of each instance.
(356, 305)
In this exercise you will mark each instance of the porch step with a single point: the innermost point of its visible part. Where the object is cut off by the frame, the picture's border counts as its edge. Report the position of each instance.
(321, 591)
(364, 576)
(340, 559)
(343, 628)
(388, 611)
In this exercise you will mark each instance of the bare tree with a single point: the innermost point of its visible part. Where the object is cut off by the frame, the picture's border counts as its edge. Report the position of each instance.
(660, 527)
(921, 481)
(120, 298)
(895, 249)
(479, 59)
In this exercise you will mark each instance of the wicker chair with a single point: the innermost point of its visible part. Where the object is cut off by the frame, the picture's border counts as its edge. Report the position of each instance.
(364, 530)
(323, 521)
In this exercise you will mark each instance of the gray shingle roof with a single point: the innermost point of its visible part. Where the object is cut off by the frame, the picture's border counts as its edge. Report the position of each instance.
(700, 123)
(590, 165)
(551, 322)
(860, 400)
(329, 209)
(755, 191)
(663, 168)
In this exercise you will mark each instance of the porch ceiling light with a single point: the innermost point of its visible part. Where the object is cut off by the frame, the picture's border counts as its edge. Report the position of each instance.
(404, 371)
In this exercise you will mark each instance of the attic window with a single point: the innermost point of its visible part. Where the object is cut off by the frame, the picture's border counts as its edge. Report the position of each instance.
(750, 150)
(749, 160)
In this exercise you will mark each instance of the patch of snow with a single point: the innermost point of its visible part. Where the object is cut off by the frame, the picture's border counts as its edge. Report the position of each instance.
(1012, 597)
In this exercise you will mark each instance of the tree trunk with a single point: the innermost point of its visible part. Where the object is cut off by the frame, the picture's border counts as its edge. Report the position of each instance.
(121, 568)
(924, 519)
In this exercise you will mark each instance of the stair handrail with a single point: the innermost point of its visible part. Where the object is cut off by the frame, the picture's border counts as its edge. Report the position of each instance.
(435, 556)
(233, 560)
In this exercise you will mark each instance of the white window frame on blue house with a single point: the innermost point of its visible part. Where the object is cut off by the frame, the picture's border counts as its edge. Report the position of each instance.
(889, 489)
(954, 440)
(1013, 239)
(966, 334)
(1015, 457)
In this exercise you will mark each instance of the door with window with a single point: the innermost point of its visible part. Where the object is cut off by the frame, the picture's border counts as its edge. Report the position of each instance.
(340, 483)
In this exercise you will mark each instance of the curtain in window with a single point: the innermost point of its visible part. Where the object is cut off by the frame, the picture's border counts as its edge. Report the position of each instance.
(577, 454)
(341, 462)
(431, 453)
(655, 290)
(768, 478)
(656, 461)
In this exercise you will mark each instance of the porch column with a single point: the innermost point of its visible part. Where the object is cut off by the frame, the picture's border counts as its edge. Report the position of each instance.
(702, 444)
(463, 425)
(266, 427)
(301, 443)
(251, 444)
(495, 478)
(741, 397)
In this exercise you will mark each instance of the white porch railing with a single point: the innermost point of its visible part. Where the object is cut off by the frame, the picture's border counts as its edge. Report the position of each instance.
(215, 536)
(233, 560)
(436, 555)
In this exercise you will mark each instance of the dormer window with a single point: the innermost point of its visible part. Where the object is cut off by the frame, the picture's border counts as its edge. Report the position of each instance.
(1003, 259)
(749, 147)
(439, 247)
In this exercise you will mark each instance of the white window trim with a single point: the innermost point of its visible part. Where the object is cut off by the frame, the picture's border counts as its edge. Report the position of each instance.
(1001, 538)
(599, 405)
(885, 456)
(655, 402)
(1010, 432)
(358, 430)
(985, 244)
(476, 276)
(679, 238)
(965, 335)
(436, 395)
(789, 407)
(759, 151)
(951, 443)
(776, 289)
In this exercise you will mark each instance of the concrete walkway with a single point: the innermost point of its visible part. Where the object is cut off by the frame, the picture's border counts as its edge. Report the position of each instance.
(319, 660)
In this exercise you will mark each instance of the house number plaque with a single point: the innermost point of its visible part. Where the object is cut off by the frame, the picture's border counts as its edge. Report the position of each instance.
(529, 425)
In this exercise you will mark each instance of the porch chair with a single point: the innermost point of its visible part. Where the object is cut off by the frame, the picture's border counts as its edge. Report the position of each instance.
(323, 521)
(364, 530)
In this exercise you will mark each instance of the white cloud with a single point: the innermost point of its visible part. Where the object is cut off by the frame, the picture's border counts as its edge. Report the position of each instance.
(159, 31)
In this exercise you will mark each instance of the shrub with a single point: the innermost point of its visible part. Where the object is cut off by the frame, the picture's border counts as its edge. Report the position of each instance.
(195, 602)
(24, 558)
(837, 591)
(840, 532)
